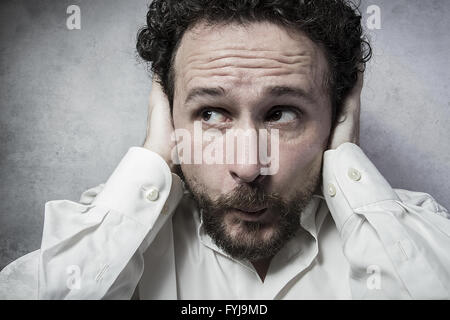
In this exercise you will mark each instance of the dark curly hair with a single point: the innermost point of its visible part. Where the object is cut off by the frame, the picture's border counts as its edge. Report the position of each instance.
(335, 25)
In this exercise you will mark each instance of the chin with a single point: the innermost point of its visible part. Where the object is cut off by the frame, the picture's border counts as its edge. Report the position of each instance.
(249, 232)
(248, 240)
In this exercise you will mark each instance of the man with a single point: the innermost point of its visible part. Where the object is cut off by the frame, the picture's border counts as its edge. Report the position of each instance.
(322, 224)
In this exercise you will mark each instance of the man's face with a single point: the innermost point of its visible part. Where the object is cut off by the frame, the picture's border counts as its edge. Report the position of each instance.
(260, 76)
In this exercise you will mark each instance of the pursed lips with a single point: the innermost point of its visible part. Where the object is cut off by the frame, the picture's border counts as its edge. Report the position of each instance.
(251, 214)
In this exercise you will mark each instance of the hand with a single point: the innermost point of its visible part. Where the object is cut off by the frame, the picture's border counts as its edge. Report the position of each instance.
(159, 124)
(347, 125)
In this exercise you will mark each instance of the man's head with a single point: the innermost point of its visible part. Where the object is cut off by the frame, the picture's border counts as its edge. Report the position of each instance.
(252, 65)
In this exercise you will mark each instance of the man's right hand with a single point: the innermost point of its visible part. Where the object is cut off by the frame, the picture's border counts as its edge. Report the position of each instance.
(159, 124)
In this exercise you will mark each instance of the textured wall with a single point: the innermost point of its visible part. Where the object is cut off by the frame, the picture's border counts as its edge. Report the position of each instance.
(73, 102)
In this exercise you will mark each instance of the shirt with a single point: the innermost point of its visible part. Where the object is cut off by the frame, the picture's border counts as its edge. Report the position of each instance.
(141, 234)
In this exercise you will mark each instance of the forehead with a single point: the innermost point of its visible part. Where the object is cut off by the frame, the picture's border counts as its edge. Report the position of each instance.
(248, 57)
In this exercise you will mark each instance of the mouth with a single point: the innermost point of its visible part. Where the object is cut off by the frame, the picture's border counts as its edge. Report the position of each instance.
(251, 214)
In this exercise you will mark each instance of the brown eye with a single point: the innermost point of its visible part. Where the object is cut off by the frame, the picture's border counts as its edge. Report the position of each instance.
(275, 116)
(282, 116)
(212, 116)
(206, 115)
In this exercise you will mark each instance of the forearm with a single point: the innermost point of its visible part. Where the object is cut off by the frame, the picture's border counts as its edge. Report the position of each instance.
(94, 251)
(381, 230)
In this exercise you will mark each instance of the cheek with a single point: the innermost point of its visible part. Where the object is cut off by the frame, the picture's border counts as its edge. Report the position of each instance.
(212, 179)
(299, 161)
(212, 176)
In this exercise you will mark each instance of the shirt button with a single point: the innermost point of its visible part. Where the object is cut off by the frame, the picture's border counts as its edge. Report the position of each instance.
(151, 193)
(331, 190)
(354, 174)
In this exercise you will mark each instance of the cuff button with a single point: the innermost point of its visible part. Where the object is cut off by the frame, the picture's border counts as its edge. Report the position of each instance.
(331, 190)
(354, 174)
(151, 193)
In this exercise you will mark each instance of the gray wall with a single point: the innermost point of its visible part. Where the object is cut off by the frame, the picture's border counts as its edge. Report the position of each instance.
(73, 102)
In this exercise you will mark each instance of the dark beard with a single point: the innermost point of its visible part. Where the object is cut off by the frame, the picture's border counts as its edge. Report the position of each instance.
(247, 245)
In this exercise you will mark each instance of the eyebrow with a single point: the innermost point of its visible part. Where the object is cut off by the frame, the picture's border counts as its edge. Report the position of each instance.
(274, 91)
(279, 91)
(202, 92)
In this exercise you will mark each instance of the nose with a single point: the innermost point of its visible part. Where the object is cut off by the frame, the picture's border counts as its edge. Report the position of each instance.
(246, 167)
(246, 173)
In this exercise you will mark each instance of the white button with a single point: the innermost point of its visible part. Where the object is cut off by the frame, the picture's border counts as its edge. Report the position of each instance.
(354, 174)
(151, 193)
(331, 190)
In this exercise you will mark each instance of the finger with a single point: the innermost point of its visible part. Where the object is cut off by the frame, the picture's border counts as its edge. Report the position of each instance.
(152, 101)
(359, 83)
(157, 95)
(352, 102)
(157, 100)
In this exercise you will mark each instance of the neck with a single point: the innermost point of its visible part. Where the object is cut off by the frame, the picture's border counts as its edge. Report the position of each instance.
(261, 267)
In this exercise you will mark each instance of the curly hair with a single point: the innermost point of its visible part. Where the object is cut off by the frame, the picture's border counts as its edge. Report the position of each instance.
(335, 25)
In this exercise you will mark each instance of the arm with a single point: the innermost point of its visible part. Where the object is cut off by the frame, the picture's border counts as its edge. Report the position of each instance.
(94, 251)
(396, 241)
(104, 245)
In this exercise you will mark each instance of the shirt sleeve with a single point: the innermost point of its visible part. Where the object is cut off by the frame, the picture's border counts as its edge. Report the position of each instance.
(396, 241)
(94, 249)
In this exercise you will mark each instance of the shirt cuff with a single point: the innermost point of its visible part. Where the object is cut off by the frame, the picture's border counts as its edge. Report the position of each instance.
(351, 181)
(139, 185)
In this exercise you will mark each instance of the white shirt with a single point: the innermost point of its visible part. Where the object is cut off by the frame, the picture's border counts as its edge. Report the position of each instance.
(142, 231)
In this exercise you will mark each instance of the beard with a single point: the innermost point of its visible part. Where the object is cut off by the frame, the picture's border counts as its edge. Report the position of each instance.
(251, 240)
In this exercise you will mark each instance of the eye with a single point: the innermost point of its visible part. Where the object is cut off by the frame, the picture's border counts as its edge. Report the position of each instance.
(282, 115)
(212, 116)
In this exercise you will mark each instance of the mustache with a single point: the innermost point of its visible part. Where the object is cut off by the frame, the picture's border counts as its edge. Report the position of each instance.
(249, 198)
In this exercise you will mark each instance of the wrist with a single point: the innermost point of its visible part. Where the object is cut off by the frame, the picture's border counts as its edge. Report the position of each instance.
(162, 153)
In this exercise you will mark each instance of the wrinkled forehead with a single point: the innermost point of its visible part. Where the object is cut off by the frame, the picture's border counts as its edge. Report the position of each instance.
(258, 52)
